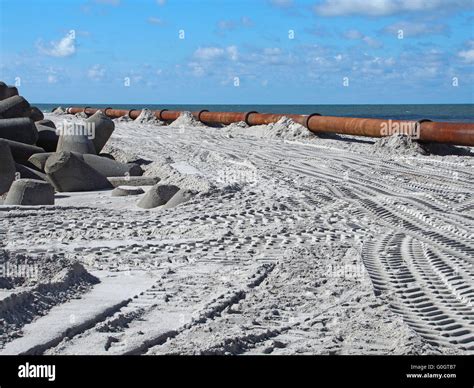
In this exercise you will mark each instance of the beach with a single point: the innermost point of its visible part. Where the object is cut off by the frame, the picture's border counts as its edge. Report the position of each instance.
(292, 244)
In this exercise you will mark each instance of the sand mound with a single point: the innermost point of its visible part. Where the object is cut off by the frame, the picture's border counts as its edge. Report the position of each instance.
(284, 129)
(186, 119)
(175, 174)
(59, 111)
(148, 117)
(81, 115)
(123, 119)
(123, 156)
(396, 145)
(236, 126)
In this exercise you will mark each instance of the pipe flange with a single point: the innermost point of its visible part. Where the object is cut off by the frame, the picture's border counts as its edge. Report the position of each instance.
(199, 113)
(247, 115)
(306, 123)
(130, 111)
(417, 131)
(104, 111)
(160, 112)
(85, 110)
(424, 121)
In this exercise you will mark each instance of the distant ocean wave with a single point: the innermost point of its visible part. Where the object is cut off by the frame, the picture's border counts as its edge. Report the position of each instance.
(445, 112)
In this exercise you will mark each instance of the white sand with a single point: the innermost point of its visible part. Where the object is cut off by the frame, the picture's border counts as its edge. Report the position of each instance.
(295, 244)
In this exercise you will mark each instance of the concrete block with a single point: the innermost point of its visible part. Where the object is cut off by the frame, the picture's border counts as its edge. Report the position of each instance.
(68, 172)
(15, 106)
(117, 181)
(7, 91)
(158, 195)
(180, 197)
(104, 127)
(25, 172)
(112, 168)
(22, 130)
(39, 160)
(21, 152)
(123, 191)
(7, 167)
(30, 192)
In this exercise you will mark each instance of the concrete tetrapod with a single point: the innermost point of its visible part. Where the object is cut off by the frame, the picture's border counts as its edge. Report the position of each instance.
(30, 192)
(35, 114)
(67, 172)
(158, 195)
(39, 160)
(111, 168)
(7, 167)
(15, 106)
(7, 91)
(123, 191)
(45, 123)
(180, 197)
(48, 140)
(47, 136)
(75, 143)
(22, 152)
(22, 130)
(117, 181)
(103, 127)
(25, 172)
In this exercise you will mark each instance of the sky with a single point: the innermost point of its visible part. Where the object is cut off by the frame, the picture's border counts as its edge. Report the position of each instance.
(239, 52)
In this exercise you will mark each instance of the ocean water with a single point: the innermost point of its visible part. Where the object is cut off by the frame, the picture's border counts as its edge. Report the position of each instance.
(454, 112)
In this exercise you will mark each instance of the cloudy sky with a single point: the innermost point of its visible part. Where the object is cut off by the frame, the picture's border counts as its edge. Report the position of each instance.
(241, 52)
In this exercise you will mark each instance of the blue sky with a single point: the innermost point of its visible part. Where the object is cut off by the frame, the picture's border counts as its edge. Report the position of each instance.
(239, 52)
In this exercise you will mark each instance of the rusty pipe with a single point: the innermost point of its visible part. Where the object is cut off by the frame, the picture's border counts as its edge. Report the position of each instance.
(424, 131)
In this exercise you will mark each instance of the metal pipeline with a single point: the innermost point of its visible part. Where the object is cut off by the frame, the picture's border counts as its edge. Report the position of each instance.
(424, 131)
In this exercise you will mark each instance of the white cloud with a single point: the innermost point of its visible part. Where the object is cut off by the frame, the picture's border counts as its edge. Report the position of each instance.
(413, 29)
(228, 25)
(385, 7)
(96, 72)
(374, 43)
(232, 52)
(353, 34)
(52, 79)
(63, 48)
(357, 35)
(196, 69)
(467, 55)
(215, 53)
(208, 53)
(154, 20)
(54, 75)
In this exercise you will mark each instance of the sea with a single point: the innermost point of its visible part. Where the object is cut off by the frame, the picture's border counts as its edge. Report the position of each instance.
(444, 112)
